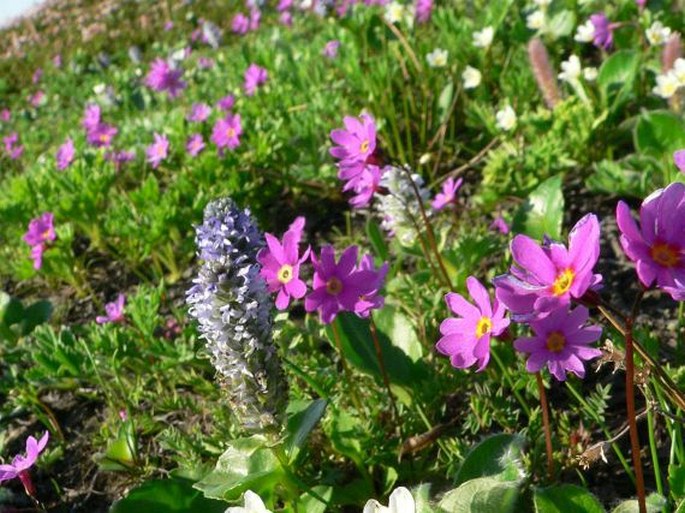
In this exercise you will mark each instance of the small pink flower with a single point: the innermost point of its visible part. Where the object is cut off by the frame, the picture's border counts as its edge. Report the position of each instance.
(199, 112)
(255, 76)
(168, 26)
(65, 154)
(240, 24)
(371, 300)
(357, 141)
(37, 75)
(562, 342)
(448, 193)
(37, 98)
(255, 17)
(21, 464)
(162, 77)
(226, 132)
(12, 146)
(114, 311)
(57, 60)
(5, 115)
(226, 103)
(364, 185)
(286, 19)
(281, 264)
(195, 145)
(41, 230)
(205, 62)
(158, 150)
(679, 160)
(330, 50)
(500, 225)
(466, 339)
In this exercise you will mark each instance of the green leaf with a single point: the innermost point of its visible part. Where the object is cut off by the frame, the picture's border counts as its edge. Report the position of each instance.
(498, 455)
(561, 24)
(676, 480)
(541, 214)
(565, 498)
(376, 239)
(659, 134)
(399, 329)
(304, 415)
(655, 504)
(36, 314)
(482, 495)
(311, 504)
(121, 453)
(247, 464)
(616, 77)
(167, 496)
(445, 101)
(358, 347)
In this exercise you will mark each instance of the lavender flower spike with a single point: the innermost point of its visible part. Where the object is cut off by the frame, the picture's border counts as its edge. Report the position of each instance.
(231, 303)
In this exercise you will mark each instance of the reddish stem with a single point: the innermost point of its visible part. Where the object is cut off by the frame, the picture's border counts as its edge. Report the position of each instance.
(632, 423)
(546, 424)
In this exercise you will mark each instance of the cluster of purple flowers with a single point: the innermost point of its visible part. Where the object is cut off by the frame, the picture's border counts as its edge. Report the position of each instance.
(338, 286)
(40, 234)
(163, 77)
(255, 76)
(98, 133)
(13, 148)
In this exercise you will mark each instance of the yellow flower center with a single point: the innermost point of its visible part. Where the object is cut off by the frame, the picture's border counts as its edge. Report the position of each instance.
(230, 132)
(334, 286)
(484, 326)
(364, 146)
(563, 282)
(160, 151)
(556, 342)
(285, 273)
(665, 254)
(104, 138)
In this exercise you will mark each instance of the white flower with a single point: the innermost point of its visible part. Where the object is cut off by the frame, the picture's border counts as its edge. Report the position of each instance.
(570, 69)
(483, 38)
(536, 20)
(394, 12)
(253, 504)
(543, 4)
(471, 77)
(590, 74)
(585, 33)
(437, 58)
(401, 501)
(657, 34)
(679, 70)
(99, 88)
(666, 85)
(506, 118)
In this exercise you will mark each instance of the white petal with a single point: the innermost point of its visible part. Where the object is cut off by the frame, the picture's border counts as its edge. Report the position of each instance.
(374, 506)
(401, 501)
(254, 503)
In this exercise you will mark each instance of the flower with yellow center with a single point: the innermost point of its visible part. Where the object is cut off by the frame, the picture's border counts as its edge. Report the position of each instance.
(484, 326)
(285, 273)
(334, 286)
(665, 254)
(364, 146)
(555, 342)
(563, 282)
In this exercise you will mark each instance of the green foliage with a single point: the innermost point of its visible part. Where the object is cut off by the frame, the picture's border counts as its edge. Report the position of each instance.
(565, 499)
(542, 212)
(167, 496)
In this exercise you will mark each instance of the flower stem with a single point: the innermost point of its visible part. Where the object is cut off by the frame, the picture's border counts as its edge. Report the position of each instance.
(384, 371)
(545, 422)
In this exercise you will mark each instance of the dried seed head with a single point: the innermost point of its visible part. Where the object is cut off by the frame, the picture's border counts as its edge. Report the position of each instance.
(544, 74)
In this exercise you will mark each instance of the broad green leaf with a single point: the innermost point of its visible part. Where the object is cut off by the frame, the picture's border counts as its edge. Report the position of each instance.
(376, 239)
(659, 134)
(445, 101)
(616, 77)
(561, 24)
(359, 349)
(482, 495)
(565, 498)
(542, 212)
(676, 480)
(304, 415)
(655, 504)
(247, 464)
(167, 496)
(498, 455)
(38, 313)
(311, 504)
(398, 328)
(121, 453)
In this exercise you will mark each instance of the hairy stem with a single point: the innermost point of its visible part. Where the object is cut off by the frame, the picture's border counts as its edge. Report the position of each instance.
(545, 422)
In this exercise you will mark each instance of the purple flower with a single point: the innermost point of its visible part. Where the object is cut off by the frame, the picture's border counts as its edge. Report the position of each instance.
(330, 50)
(337, 287)
(37, 255)
(371, 300)
(285, 18)
(65, 154)
(604, 31)
(364, 185)
(658, 246)
(679, 160)
(284, 5)
(37, 75)
(114, 311)
(91, 117)
(562, 342)
(168, 26)
(545, 278)
(205, 62)
(12, 146)
(255, 17)
(226, 132)
(357, 141)
(500, 225)
(466, 339)
(118, 158)
(101, 135)
(195, 145)
(57, 60)
(41, 230)
(226, 103)
(423, 9)
(448, 193)
(162, 77)
(281, 262)
(254, 77)
(240, 24)
(36, 99)
(5, 115)
(158, 150)
(21, 464)
(199, 112)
